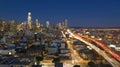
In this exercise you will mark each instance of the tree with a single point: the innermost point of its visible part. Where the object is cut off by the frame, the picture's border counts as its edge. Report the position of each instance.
(108, 65)
(101, 64)
(56, 60)
(76, 66)
(91, 64)
(38, 59)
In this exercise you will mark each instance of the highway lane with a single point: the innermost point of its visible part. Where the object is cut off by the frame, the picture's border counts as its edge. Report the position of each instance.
(67, 63)
(74, 55)
(111, 60)
(76, 59)
(115, 55)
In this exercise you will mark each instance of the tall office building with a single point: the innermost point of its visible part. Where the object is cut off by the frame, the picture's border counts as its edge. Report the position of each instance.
(2, 25)
(59, 26)
(66, 23)
(11, 25)
(37, 24)
(29, 20)
(47, 24)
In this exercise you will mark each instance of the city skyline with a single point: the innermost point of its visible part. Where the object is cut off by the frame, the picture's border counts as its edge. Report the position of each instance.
(79, 13)
(59, 33)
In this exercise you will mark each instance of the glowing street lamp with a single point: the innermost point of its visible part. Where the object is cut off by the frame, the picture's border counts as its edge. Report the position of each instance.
(100, 39)
(9, 53)
(92, 36)
(35, 63)
(89, 47)
(87, 32)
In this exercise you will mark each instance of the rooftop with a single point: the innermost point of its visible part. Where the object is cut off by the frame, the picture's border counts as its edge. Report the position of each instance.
(18, 60)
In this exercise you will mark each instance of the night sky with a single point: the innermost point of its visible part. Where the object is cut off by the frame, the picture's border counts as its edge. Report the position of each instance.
(83, 13)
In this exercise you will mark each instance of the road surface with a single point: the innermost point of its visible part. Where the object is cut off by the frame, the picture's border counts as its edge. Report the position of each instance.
(111, 60)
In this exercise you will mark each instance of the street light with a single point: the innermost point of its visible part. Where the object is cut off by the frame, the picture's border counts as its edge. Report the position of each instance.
(89, 47)
(111, 45)
(9, 53)
(100, 39)
(35, 63)
(87, 32)
(73, 59)
(92, 36)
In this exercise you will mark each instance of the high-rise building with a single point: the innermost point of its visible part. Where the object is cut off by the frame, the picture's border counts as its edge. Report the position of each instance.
(47, 24)
(29, 20)
(11, 25)
(2, 25)
(59, 26)
(66, 23)
(37, 24)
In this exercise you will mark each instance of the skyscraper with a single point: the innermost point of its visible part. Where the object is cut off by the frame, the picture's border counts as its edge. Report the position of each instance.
(29, 20)
(66, 23)
(2, 25)
(47, 24)
(37, 24)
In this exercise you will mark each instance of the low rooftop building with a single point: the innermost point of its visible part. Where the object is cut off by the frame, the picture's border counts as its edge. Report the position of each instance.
(17, 62)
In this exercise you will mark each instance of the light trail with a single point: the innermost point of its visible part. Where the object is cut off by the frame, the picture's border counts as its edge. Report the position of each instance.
(115, 55)
(111, 60)
(74, 54)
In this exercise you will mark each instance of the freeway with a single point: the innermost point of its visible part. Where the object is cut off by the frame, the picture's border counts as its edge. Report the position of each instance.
(115, 55)
(76, 59)
(74, 55)
(111, 60)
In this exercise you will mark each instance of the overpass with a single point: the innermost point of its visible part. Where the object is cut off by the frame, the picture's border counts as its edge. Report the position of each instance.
(105, 55)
